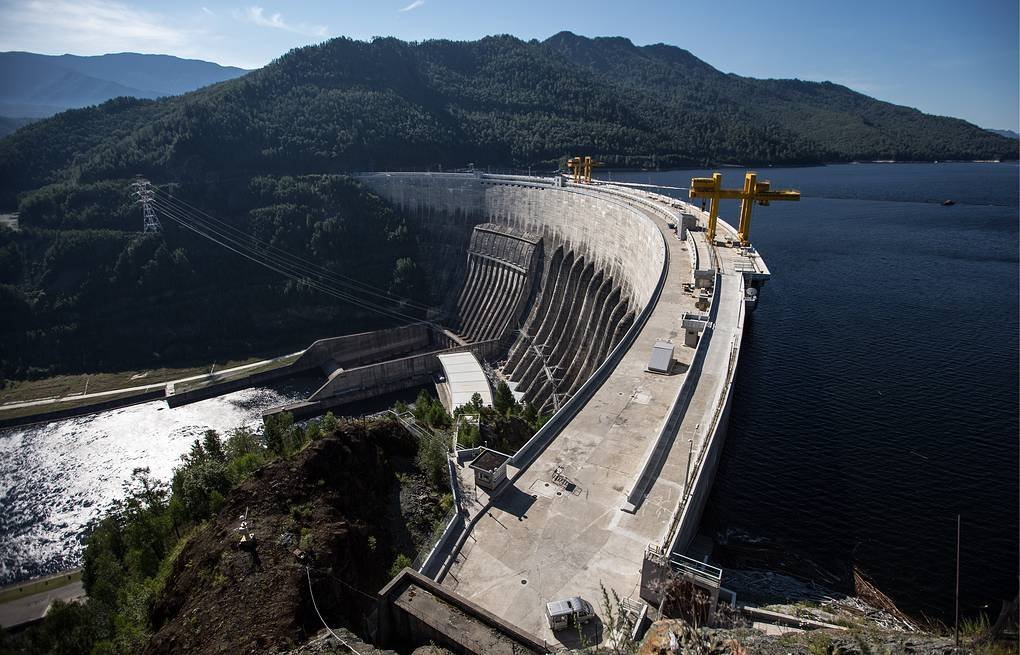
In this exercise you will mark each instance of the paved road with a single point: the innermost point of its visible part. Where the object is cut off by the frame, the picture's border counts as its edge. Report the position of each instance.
(540, 543)
(31, 608)
(145, 387)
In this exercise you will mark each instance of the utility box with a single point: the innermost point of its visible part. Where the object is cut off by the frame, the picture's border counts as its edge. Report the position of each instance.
(662, 357)
(489, 468)
(686, 222)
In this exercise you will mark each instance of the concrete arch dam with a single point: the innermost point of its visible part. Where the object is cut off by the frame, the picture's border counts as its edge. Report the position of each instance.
(554, 276)
(611, 490)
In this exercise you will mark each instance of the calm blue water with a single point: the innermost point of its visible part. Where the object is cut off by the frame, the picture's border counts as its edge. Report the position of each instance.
(877, 395)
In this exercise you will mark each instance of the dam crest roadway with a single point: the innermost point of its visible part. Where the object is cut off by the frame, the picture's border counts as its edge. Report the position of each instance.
(613, 485)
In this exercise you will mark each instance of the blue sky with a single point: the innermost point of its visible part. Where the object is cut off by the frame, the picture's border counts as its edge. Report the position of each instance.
(951, 58)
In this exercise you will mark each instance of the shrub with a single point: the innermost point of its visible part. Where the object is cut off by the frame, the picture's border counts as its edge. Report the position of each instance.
(431, 459)
(399, 564)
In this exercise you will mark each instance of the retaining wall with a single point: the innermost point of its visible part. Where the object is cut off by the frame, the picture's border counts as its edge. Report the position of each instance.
(355, 349)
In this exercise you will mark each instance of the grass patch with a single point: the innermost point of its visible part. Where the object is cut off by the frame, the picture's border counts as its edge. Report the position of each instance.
(819, 644)
(157, 583)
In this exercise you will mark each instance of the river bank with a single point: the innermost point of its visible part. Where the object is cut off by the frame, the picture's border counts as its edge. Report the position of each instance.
(108, 395)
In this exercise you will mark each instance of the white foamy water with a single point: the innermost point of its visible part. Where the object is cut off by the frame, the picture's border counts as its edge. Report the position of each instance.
(58, 477)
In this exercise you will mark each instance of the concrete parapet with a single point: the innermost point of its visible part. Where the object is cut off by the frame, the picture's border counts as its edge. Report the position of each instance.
(656, 455)
(683, 525)
(416, 611)
(357, 349)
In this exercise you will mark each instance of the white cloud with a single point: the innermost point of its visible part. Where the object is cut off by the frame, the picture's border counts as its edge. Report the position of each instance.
(413, 5)
(258, 16)
(208, 11)
(87, 27)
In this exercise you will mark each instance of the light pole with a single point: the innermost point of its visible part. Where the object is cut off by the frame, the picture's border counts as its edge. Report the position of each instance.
(690, 453)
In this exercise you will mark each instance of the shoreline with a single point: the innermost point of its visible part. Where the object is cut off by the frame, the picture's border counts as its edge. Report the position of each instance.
(31, 412)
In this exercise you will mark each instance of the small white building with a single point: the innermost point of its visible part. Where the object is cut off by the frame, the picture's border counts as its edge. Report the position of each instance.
(489, 468)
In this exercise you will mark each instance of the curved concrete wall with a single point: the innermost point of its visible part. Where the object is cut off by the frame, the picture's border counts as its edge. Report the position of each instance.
(609, 232)
(604, 260)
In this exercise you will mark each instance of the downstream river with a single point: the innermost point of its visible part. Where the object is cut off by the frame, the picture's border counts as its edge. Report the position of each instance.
(877, 394)
(58, 477)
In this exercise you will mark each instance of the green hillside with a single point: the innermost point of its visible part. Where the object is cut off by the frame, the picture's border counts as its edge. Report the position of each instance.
(499, 101)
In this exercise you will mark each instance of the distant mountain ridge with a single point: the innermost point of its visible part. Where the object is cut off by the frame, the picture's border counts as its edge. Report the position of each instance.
(37, 86)
(388, 104)
(1009, 134)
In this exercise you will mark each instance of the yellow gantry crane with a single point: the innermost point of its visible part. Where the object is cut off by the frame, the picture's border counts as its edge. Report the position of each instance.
(753, 192)
(581, 168)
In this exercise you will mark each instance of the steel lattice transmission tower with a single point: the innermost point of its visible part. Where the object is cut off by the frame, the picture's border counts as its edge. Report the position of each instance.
(142, 190)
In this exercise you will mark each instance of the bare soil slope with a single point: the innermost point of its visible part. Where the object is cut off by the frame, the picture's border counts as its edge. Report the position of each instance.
(337, 500)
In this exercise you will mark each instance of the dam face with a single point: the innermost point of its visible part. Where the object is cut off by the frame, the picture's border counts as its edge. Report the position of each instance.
(567, 289)
(557, 275)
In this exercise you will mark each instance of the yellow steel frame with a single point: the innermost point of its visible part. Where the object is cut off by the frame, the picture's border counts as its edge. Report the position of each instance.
(581, 167)
(752, 192)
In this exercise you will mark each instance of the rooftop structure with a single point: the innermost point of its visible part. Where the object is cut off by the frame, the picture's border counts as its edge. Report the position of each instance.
(416, 611)
(490, 468)
(464, 378)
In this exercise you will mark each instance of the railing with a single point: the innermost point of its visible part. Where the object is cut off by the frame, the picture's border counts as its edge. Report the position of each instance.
(428, 552)
(687, 566)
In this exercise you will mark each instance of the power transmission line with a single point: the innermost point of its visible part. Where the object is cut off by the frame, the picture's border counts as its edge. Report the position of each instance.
(201, 217)
(280, 261)
(282, 266)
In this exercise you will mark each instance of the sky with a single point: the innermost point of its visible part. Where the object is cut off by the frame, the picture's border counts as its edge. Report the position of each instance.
(943, 57)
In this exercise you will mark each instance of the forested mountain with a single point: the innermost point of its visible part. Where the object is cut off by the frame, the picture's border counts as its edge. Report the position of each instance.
(8, 125)
(498, 101)
(82, 289)
(36, 86)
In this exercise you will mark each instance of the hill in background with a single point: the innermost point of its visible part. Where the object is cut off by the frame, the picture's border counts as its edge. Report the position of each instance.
(36, 86)
(1009, 134)
(499, 101)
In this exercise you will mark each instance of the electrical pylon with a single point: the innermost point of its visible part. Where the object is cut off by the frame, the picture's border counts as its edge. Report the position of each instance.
(142, 190)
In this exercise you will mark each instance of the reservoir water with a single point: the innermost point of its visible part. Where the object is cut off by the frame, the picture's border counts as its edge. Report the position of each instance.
(877, 393)
(876, 398)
